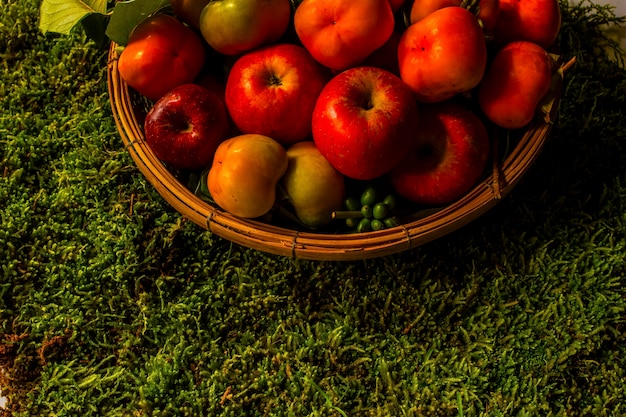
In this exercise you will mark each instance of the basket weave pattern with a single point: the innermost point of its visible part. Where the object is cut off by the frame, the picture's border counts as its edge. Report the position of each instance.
(309, 245)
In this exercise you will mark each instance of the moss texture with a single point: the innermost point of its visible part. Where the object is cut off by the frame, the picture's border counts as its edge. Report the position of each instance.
(111, 304)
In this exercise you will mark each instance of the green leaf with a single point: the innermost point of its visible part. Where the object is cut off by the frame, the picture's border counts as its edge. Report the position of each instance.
(95, 25)
(200, 186)
(61, 16)
(128, 14)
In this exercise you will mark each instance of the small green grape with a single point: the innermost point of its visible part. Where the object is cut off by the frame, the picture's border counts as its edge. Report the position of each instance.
(352, 222)
(377, 224)
(365, 225)
(380, 211)
(367, 211)
(352, 204)
(391, 221)
(369, 196)
(391, 201)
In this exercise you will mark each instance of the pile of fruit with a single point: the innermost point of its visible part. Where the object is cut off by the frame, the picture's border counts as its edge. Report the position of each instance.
(328, 111)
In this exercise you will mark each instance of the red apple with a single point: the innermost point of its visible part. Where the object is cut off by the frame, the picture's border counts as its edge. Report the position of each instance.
(161, 53)
(342, 33)
(486, 10)
(364, 121)
(448, 157)
(185, 127)
(271, 91)
(443, 54)
(518, 78)
(537, 21)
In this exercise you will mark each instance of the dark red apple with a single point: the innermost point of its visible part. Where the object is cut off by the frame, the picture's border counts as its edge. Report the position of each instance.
(364, 121)
(271, 91)
(185, 127)
(448, 157)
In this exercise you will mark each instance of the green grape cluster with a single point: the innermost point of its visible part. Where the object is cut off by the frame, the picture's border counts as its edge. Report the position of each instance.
(371, 211)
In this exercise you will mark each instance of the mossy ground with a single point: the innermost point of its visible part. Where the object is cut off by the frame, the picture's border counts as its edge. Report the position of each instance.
(106, 310)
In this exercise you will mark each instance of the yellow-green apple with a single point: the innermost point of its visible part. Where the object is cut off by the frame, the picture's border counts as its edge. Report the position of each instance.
(448, 157)
(272, 91)
(161, 53)
(364, 121)
(516, 81)
(314, 187)
(537, 21)
(245, 173)
(232, 27)
(185, 126)
(189, 10)
(443, 54)
(342, 33)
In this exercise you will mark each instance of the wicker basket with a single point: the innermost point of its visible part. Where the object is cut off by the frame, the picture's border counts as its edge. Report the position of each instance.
(309, 245)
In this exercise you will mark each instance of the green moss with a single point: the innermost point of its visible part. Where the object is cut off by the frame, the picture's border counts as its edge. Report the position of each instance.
(112, 304)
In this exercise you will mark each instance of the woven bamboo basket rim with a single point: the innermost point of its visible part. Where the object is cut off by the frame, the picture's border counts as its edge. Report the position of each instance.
(312, 245)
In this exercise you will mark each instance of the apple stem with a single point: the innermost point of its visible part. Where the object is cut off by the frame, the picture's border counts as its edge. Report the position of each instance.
(347, 214)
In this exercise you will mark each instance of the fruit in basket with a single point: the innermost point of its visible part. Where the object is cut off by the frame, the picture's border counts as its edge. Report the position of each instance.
(364, 121)
(443, 54)
(537, 21)
(232, 27)
(370, 211)
(486, 10)
(185, 126)
(516, 81)
(448, 158)
(244, 174)
(162, 53)
(314, 187)
(272, 91)
(342, 33)
(189, 10)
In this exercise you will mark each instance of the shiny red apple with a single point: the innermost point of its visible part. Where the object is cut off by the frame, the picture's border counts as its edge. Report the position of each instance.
(185, 127)
(272, 91)
(364, 121)
(448, 157)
